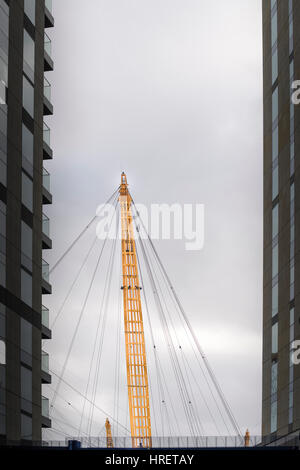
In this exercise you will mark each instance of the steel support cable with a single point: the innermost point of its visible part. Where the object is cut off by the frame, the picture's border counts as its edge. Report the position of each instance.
(105, 295)
(73, 283)
(94, 348)
(80, 317)
(79, 236)
(196, 356)
(159, 368)
(168, 342)
(173, 356)
(205, 360)
(52, 372)
(66, 401)
(191, 409)
(118, 354)
(198, 421)
(96, 406)
(194, 412)
(75, 279)
(63, 421)
(153, 343)
(159, 383)
(57, 431)
(109, 272)
(208, 368)
(203, 398)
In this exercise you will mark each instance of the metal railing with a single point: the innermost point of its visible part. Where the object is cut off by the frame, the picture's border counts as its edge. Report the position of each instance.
(47, 89)
(47, 44)
(45, 407)
(123, 442)
(45, 362)
(46, 225)
(45, 270)
(171, 442)
(48, 5)
(46, 179)
(46, 134)
(45, 316)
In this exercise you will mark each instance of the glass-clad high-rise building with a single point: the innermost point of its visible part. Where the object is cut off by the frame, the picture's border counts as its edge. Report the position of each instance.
(281, 310)
(25, 59)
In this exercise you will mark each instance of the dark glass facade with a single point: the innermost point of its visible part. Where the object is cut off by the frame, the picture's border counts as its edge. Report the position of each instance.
(281, 309)
(25, 99)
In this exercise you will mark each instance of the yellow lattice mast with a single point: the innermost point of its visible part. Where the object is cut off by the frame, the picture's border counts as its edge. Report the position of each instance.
(109, 439)
(137, 378)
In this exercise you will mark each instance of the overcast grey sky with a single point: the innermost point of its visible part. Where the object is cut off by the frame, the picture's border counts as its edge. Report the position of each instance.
(170, 91)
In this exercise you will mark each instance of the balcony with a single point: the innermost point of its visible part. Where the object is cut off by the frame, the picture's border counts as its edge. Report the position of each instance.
(49, 20)
(48, 62)
(45, 407)
(45, 270)
(46, 377)
(46, 287)
(46, 422)
(46, 332)
(46, 241)
(48, 107)
(47, 197)
(47, 151)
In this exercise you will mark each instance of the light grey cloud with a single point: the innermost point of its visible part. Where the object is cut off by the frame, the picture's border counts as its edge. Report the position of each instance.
(171, 93)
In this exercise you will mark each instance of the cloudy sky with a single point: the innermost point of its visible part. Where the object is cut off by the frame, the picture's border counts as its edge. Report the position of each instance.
(170, 92)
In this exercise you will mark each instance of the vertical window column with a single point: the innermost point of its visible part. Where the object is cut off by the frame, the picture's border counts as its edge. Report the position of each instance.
(274, 38)
(275, 231)
(291, 366)
(275, 215)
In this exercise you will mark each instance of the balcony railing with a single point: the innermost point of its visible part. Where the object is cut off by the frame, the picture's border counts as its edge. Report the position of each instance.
(45, 362)
(48, 5)
(46, 134)
(45, 407)
(45, 316)
(46, 225)
(47, 44)
(45, 270)
(46, 179)
(47, 89)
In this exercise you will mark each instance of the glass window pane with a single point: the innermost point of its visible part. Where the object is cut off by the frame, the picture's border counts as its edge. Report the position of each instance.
(28, 50)
(28, 96)
(275, 183)
(274, 416)
(26, 427)
(274, 300)
(275, 143)
(26, 383)
(274, 29)
(274, 374)
(26, 240)
(275, 260)
(275, 338)
(2, 352)
(27, 192)
(274, 66)
(3, 71)
(275, 221)
(27, 144)
(29, 10)
(275, 104)
(26, 287)
(26, 336)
